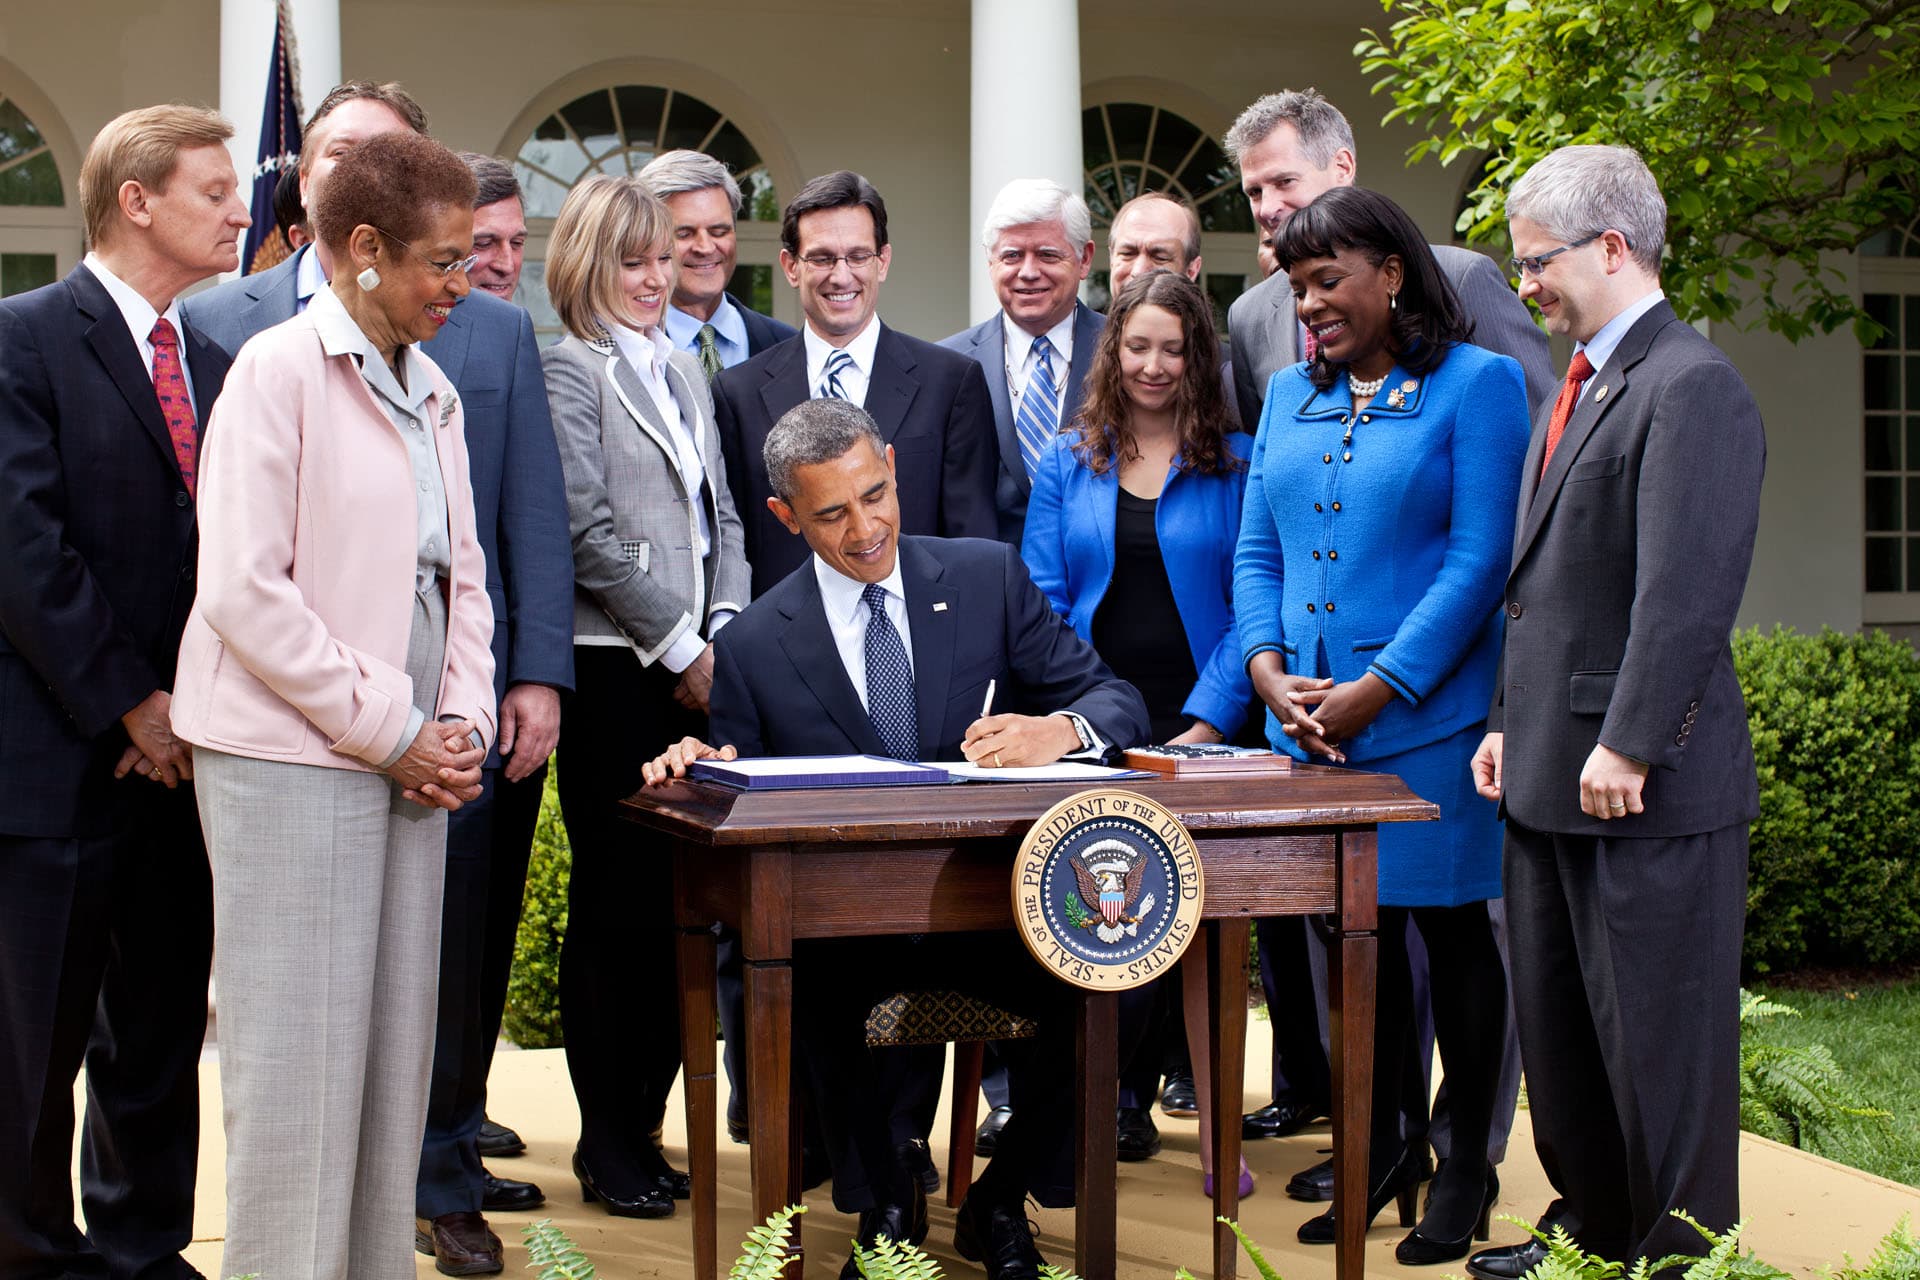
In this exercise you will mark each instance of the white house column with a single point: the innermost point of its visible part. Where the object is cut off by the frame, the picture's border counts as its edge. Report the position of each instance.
(246, 44)
(1026, 110)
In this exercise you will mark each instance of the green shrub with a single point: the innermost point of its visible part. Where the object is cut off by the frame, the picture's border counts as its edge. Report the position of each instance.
(1791, 1093)
(532, 1018)
(1836, 738)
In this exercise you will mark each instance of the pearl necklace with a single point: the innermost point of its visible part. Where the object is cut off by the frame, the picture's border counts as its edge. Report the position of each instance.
(1365, 391)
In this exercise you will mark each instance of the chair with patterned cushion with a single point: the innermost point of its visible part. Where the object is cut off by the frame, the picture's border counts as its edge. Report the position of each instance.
(937, 1017)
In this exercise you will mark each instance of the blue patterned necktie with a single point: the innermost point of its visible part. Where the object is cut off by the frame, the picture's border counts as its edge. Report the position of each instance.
(1038, 420)
(837, 363)
(889, 679)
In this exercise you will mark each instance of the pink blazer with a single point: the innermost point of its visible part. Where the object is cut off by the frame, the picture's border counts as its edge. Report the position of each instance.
(296, 647)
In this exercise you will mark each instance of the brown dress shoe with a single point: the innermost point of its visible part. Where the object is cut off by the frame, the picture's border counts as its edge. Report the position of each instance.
(460, 1245)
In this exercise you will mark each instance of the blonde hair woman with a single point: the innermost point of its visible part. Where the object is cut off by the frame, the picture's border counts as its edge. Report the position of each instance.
(658, 570)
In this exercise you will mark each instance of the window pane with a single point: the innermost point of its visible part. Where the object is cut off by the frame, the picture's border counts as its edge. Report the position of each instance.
(35, 182)
(1913, 440)
(592, 119)
(1883, 504)
(1880, 382)
(1129, 120)
(1093, 138)
(688, 123)
(1883, 564)
(1173, 138)
(1912, 335)
(1222, 289)
(1883, 444)
(1885, 309)
(1913, 564)
(1227, 211)
(20, 272)
(759, 202)
(1913, 382)
(1913, 504)
(752, 286)
(640, 108)
(541, 194)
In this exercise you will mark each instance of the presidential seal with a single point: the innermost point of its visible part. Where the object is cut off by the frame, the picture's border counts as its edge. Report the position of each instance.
(1107, 889)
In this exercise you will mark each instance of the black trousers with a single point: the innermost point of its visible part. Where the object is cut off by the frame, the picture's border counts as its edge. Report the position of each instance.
(837, 982)
(1626, 978)
(489, 843)
(619, 990)
(105, 947)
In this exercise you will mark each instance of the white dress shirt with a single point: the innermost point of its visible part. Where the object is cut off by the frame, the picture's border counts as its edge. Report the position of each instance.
(647, 354)
(1021, 361)
(853, 380)
(141, 317)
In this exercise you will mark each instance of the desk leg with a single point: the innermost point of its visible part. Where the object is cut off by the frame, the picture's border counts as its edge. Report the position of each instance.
(1095, 1220)
(1227, 1045)
(1350, 997)
(769, 995)
(696, 952)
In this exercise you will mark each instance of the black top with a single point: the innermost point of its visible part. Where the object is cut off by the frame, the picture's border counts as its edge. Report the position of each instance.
(1137, 626)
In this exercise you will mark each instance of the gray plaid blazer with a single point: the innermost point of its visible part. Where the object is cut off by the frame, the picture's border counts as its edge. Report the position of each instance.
(635, 568)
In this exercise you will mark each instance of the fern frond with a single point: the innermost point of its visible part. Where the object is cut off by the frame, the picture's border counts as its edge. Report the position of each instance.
(1260, 1262)
(763, 1254)
(554, 1252)
(892, 1260)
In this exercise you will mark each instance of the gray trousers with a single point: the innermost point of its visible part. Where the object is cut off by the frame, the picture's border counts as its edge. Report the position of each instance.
(326, 890)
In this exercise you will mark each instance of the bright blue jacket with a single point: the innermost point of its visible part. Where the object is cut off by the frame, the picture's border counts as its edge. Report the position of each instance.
(1068, 547)
(1387, 552)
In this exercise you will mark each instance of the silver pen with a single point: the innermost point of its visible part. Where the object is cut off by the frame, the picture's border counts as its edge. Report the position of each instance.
(986, 708)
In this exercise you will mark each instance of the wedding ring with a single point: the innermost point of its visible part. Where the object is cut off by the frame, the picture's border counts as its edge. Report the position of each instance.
(996, 759)
(156, 775)
(1616, 804)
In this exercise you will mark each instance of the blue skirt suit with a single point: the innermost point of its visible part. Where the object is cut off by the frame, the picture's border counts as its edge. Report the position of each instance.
(1069, 548)
(1378, 540)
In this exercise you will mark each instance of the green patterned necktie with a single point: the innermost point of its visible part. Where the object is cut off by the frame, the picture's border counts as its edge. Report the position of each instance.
(709, 353)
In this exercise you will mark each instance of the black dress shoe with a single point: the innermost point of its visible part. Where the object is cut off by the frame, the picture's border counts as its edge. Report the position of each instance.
(737, 1130)
(918, 1163)
(901, 1223)
(650, 1201)
(987, 1140)
(504, 1195)
(1179, 1098)
(498, 1140)
(1281, 1118)
(1136, 1138)
(459, 1244)
(1507, 1261)
(998, 1236)
(1313, 1184)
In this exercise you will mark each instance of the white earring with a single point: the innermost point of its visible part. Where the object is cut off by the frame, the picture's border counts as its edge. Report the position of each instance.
(368, 280)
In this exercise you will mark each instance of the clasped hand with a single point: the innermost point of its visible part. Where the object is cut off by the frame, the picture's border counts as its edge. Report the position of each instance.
(1317, 713)
(441, 766)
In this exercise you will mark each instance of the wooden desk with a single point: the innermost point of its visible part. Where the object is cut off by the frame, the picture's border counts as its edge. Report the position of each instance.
(798, 864)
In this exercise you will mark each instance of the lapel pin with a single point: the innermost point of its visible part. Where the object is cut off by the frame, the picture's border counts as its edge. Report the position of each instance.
(1410, 386)
(1600, 395)
(1396, 399)
(939, 606)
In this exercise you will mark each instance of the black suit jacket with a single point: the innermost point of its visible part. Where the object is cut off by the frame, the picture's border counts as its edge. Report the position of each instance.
(97, 548)
(1629, 562)
(779, 687)
(763, 331)
(932, 407)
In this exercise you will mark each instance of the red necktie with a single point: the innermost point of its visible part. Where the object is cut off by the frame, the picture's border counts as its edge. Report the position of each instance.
(176, 406)
(1579, 369)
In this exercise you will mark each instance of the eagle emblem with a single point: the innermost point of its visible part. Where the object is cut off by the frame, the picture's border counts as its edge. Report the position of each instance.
(1109, 873)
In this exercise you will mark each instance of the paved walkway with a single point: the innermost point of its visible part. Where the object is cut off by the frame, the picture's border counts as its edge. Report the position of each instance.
(1806, 1211)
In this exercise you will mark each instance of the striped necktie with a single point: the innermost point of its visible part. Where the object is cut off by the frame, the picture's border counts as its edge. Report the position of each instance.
(837, 363)
(1039, 418)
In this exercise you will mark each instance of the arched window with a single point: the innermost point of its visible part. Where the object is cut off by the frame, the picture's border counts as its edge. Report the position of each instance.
(36, 237)
(617, 130)
(1133, 147)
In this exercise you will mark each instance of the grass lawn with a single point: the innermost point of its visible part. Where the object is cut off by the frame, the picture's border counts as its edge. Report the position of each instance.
(1874, 1032)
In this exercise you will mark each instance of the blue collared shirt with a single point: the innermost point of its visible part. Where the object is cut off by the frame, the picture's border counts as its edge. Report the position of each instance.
(1607, 341)
(729, 332)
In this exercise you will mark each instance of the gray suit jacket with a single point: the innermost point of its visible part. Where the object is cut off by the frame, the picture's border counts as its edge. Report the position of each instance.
(1629, 561)
(637, 570)
(1265, 332)
(986, 343)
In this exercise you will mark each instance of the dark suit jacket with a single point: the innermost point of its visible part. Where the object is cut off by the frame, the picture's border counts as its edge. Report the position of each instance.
(763, 331)
(487, 351)
(97, 548)
(932, 408)
(986, 345)
(1265, 329)
(1629, 562)
(779, 687)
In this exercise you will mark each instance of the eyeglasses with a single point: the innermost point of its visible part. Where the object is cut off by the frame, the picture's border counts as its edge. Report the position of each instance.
(828, 261)
(462, 265)
(1534, 266)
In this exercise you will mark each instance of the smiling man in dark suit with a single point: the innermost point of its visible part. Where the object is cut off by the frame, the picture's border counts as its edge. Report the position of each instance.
(930, 404)
(1617, 745)
(106, 908)
(1034, 352)
(887, 645)
(487, 350)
